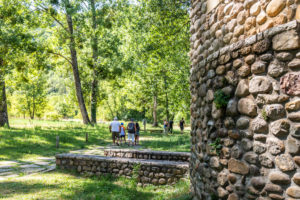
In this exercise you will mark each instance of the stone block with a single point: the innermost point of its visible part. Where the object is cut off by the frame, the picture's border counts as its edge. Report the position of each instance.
(287, 40)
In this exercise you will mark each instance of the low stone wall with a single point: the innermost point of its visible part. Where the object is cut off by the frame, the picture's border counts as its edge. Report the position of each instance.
(148, 154)
(149, 171)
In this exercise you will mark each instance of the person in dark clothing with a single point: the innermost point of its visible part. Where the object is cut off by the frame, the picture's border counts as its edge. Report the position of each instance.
(181, 125)
(137, 134)
(171, 126)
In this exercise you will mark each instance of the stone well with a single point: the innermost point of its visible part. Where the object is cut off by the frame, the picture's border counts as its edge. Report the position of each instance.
(245, 107)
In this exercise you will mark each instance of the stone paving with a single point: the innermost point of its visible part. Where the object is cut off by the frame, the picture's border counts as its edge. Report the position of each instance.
(17, 168)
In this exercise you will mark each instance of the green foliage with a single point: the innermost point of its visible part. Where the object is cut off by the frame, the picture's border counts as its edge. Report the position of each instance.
(216, 146)
(221, 99)
(264, 115)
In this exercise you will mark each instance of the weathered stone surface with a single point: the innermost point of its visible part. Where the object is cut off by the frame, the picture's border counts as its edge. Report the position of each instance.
(276, 196)
(296, 178)
(259, 147)
(261, 18)
(238, 167)
(234, 134)
(297, 160)
(247, 106)
(251, 157)
(279, 178)
(293, 191)
(236, 151)
(275, 7)
(280, 128)
(242, 89)
(286, 41)
(263, 99)
(295, 116)
(258, 182)
(293, 105)
(295, 131)
(223, 177)
(290, 84)
(260, 84)
(273, 188)
(255, 9)
(275, 146)
(242, 123)
(285, 162)
(233, 196)
(216, 113)
(266, 160)
(284, 56)
(220, 70)
(222, 192)
(202, 90)
(214, 162)
(275, 111)
(244, 71)
(258, 67)
(246, 144)
(237, 63)
(261, 46)
(250, 59)
(276, 69)
(295, 63)
(259, 125)
(293, 145)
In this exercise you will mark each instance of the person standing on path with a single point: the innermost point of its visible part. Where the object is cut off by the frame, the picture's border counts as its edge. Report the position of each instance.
(171, 122)
(137, 134)
(165, 126)
(131, 128)
(181, 125)
(122, 133)
(115, 128)
(144, 123)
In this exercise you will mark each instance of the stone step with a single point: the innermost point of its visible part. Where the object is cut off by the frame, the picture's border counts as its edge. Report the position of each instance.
(148, 154)
(157, 172)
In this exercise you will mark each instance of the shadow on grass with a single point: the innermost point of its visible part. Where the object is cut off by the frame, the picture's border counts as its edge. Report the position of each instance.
(11, 188)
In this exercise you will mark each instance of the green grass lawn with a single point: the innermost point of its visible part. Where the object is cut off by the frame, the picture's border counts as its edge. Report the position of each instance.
(27, 140)
(64, 185)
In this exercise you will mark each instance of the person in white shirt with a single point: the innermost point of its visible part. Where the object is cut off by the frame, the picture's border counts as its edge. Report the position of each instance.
(115, 129)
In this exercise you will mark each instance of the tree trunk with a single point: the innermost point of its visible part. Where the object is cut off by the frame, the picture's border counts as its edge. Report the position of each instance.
(94, 99)
(3, 105)
(167, 99)
(155, 123)
(73, 52)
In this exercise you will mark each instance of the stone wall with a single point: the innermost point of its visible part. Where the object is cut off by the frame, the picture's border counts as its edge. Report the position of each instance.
(234, 20)
(148, 154)
(245, 116)
(149, 171)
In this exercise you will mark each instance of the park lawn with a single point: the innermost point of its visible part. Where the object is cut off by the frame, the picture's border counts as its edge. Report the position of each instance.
(27, 140)
(65, 185)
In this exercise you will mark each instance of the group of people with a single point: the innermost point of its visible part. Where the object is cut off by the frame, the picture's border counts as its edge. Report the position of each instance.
(118, 131)
(168, 126)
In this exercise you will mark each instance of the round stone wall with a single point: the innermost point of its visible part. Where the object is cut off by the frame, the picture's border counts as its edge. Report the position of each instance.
(245, 107)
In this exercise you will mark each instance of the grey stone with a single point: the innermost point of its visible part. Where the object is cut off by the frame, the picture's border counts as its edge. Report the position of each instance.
(275, 111)
(266, 160)
(286, 41)
(260, 84)
(214, 162)
(259, 147)
(258, 182)
(293, 145)
(285, 162)
(294, 63)
(275, 146)
(273, 188)
(222, 193)
(251, 157)
(247, 106)
(228, 90)
(244, 71)
(258, 67)
(216, 113)
(293, 191)
(280, 128)
(295, 116)
(242, 123)
(246, 144)
(284, 56)
(242, 89)
(266, 57)
(276, 69)
(211, 73)
(223, 177)
(231, 109)
(236, 151)
(279, 178)
(202, 90)
(259, 125)
(238, 167)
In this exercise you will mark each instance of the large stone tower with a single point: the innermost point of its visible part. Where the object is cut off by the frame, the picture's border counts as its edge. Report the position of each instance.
(245, 108)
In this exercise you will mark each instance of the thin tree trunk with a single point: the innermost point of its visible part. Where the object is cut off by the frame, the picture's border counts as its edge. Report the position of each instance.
(155, 123)
(73, 52)
(167, 99)
(3, 105)
(111, 112)
(94, 100)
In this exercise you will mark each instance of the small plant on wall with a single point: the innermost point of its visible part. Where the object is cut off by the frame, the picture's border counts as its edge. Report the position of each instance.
(221, 99)
(216, 146)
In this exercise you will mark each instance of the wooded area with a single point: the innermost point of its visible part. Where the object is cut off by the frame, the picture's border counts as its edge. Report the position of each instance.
(94, 59)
